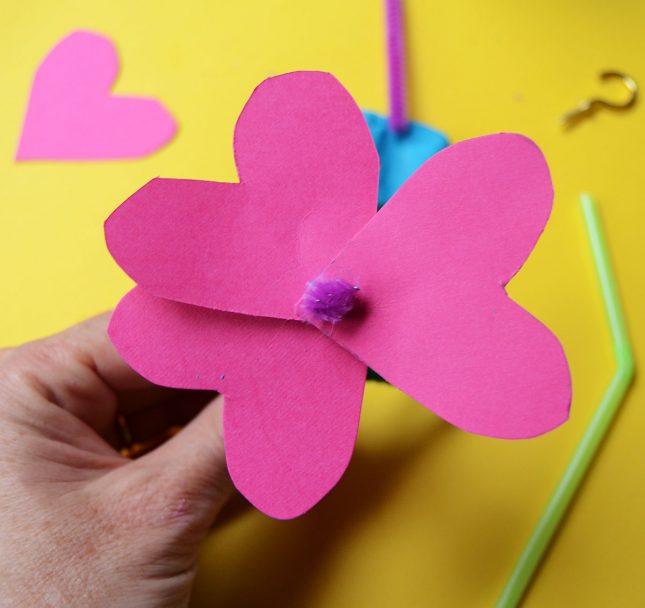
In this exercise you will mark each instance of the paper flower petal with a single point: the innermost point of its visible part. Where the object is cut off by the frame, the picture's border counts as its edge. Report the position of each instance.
(292, 397)
(438, 323)
(309, 180)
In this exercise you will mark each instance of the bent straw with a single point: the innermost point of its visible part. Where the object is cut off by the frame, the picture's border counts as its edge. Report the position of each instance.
(598, 427)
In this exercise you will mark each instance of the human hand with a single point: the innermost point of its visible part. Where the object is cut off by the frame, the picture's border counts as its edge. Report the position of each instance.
(81, 525)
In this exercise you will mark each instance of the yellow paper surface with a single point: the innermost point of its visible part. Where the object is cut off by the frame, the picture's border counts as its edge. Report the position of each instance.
(426, 515)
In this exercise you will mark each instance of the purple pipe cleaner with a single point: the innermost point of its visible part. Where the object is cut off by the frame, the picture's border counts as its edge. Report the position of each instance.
(327, 300)
(396, 64)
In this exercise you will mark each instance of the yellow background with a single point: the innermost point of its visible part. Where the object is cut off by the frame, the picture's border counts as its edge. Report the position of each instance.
(426, 515)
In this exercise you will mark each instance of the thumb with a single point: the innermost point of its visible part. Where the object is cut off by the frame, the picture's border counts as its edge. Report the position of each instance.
(186, 477)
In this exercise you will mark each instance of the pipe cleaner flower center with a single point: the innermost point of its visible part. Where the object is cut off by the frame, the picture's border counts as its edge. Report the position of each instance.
(327, 299)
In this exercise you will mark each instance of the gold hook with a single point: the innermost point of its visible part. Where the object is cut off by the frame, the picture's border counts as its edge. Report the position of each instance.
(587, 107)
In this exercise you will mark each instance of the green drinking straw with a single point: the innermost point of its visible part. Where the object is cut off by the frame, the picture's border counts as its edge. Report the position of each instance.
(598, 427)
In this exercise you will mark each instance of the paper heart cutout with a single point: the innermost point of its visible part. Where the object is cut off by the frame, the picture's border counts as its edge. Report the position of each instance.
(305, 177)
(72, 114)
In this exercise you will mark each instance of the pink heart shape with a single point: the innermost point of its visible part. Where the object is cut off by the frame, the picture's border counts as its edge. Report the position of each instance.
(72, 114)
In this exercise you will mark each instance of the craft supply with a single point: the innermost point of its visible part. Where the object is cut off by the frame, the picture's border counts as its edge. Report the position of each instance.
(221, 268)
(598, 428)
(73, 115)
(589, 106)
(396, 65)
(327, 300)
(403, 145)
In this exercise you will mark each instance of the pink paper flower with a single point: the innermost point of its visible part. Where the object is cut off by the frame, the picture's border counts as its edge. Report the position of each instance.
(224, 270)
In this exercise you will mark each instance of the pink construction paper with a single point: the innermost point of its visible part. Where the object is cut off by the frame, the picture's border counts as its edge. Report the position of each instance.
(292, 397)
(432, 266)
(221, 268)
(308, 182)
(72, 114)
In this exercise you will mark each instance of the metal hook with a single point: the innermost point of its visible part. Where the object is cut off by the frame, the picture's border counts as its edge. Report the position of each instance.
(587, 107)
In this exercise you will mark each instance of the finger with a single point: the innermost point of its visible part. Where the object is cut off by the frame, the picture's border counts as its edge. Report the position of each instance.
(81, 371)
(134, 393)
(191, 469)
(91, 343)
